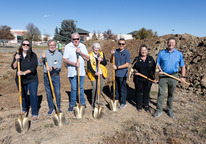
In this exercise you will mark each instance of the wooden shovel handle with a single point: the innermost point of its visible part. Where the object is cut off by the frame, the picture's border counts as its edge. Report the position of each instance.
(98, 81)
(113, 79)
(175, 78)
(19, 82)
(52, 87)
(145, 77)
(78, 79)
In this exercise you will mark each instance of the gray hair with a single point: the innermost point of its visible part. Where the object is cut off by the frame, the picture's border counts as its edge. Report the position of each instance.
(75, 34)
(97, 45)
(52, 40)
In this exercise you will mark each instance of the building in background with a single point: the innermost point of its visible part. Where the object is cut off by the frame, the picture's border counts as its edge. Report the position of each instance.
(18, 36)
(83, 34)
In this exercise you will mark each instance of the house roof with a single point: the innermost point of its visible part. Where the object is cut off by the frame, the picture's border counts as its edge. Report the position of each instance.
(133, 33)
(79, 30)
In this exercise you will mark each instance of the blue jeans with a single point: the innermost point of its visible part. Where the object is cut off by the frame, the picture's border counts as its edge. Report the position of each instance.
(32, 87)
(121, 89)
(74, 90)
(56, 84)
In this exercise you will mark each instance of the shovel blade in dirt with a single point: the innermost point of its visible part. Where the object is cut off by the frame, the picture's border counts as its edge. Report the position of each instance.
(114, 104)
(79, 111)
(22, 125)
(98, 112)
(59, 120)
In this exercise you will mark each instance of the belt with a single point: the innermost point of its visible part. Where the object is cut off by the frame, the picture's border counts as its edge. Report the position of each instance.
(174, 73)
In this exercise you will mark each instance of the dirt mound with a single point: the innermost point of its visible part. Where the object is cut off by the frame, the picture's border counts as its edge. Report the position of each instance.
(124, 126)
(193, 49)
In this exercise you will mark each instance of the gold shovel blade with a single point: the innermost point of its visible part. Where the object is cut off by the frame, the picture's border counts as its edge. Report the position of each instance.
(59, 120)
(98, 112)
(79, 111)
(114, 105)
(22, 125)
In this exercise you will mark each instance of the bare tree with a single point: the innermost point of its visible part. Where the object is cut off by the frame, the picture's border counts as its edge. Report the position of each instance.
(94, 36)
(5, 34)
(108, 34)
(33, 33)
(46, 37)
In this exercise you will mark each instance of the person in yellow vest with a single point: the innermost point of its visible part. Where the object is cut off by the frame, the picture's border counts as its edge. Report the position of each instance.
(92, 70)
(59, 47)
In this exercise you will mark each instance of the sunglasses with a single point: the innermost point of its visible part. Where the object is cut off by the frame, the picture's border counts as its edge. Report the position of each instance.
(26, 44)
(121, 43)
(75, 39)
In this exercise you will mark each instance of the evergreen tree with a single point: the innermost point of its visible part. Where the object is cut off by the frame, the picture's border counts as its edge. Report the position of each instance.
(64, 33)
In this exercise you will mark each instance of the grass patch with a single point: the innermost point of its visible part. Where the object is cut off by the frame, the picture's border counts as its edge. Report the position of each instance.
(49, 125)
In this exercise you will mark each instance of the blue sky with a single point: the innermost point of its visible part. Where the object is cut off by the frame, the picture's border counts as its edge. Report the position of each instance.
(121, 16)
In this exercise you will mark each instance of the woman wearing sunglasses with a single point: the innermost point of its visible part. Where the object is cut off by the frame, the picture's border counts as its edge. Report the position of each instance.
(29, 77)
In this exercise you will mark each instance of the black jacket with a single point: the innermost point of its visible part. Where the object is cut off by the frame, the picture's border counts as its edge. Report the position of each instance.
(146, 68)
(26, 64)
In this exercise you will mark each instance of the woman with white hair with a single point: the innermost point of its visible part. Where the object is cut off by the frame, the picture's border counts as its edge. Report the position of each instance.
(92, 70)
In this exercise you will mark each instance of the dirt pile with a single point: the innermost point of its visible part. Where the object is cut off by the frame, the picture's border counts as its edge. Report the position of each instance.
(124, 126)
(193, 49)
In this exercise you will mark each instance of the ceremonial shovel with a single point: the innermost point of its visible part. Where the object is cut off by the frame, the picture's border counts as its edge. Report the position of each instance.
(98, 111)
(58, 118)
(79, 110)
(21, 124)
(114, 103)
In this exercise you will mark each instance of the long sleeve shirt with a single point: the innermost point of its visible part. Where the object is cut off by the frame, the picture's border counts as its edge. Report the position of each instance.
(26, 64)
(53, 60)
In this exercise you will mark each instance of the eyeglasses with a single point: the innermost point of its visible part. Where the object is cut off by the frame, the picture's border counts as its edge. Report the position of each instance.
(121, 43)
(75, 39)
(26, 44)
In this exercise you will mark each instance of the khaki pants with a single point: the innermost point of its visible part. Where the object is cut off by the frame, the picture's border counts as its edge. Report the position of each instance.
(165, 81)
(95, 88)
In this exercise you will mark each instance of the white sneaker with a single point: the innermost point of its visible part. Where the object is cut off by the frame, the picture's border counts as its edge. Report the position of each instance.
(122, 106)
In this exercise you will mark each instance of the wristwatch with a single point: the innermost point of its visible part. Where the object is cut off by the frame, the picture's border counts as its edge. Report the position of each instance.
(24, 73)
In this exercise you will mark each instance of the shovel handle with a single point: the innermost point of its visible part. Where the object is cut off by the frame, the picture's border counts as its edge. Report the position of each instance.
(175, 78)
(145, 77)
(78, 79)
(98, 82)
(19, 82)
(52, 87)
(113, 79)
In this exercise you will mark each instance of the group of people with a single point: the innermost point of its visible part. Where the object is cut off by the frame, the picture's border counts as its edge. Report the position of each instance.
(169, 60)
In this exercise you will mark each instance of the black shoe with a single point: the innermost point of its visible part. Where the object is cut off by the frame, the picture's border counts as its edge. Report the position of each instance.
(147, 109)
(139, 109)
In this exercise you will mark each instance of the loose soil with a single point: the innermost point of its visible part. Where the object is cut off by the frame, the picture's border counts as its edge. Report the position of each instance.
(124, 126)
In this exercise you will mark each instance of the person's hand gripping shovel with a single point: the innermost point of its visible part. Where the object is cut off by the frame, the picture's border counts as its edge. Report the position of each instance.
(21, 124)
(58, 118)
(79, 110)
(98, 111)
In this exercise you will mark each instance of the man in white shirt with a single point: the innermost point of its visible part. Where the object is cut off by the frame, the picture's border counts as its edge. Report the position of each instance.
(70, 57)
